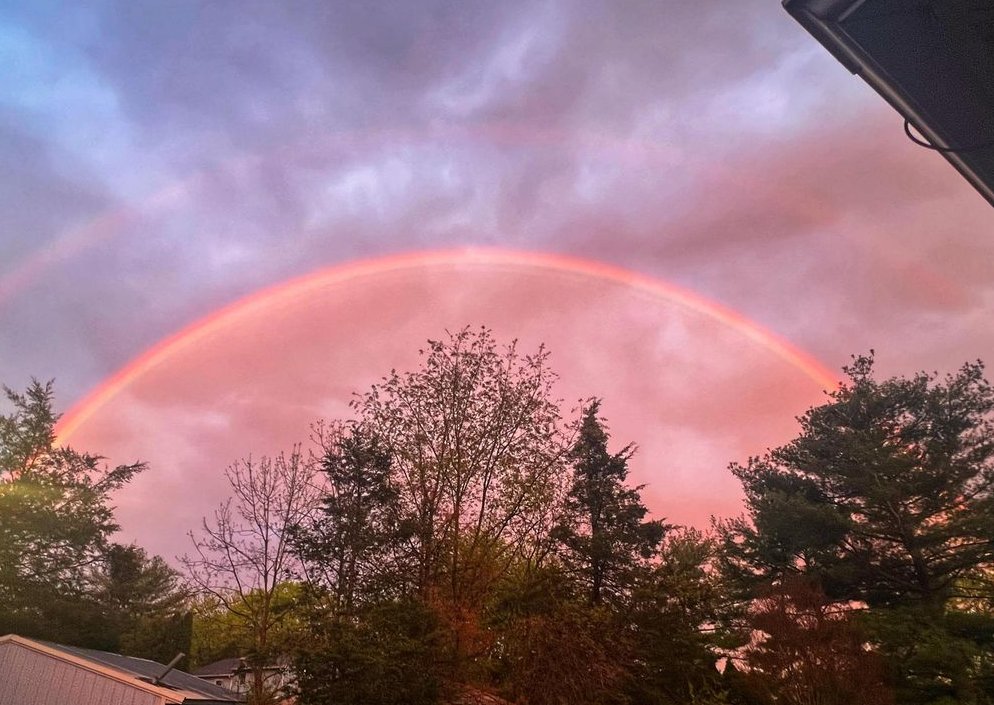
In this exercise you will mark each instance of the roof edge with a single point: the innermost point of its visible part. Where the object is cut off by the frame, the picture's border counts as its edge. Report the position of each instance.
(818, 18)
(171, 697)
(823, 20)
(824, 9)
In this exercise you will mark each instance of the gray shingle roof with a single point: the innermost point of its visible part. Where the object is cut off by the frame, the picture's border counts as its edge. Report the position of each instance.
(148, 670)
(224, 667)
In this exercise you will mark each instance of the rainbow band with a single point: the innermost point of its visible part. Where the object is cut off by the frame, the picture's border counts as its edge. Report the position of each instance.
(262, 301)
(109, 224)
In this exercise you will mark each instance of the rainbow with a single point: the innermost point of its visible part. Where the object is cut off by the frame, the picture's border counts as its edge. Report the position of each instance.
(111, 223)
(266, 300)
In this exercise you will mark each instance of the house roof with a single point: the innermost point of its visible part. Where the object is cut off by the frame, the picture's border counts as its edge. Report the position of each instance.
(224, 667)
(932, 60)
(228, 666)
(177, 686)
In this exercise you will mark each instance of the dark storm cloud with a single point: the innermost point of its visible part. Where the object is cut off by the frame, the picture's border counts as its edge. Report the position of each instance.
(612, 60)
(204, 81)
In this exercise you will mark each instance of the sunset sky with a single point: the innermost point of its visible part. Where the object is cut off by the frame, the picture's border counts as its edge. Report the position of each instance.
(692, 204)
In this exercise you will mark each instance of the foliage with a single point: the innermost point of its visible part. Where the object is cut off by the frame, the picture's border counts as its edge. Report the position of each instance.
(352, 544)
(936, 657)
(474, 442)
(143, 603)
(551, 647)
(885, 499)
(386, 654)
(475, 453)
(603, 530)
(886, 495)
(216, 633)
(681, 613)
(449, 511)
(160, 638)
(220, 633)
(55, 522)
(807, 651)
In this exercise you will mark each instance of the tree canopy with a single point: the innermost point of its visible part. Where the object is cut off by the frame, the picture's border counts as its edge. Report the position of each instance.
(512, 540)
(885, 500)
(55, 522)
(459, 535)
(603, 528)
(473, 436)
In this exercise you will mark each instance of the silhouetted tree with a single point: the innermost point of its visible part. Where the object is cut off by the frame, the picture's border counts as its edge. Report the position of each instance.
(475, 449)
(388, 653)
(604, 530)
(550, 646)
(886, 498)
(353, 543)
(55, 523)
(681, 617)
(144, 604)
(808, 651)
(243, 555)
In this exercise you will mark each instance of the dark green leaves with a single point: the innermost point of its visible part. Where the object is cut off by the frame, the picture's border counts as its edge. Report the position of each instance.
(55, 521)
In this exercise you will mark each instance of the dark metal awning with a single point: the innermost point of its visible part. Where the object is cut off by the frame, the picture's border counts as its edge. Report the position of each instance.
(933, 60)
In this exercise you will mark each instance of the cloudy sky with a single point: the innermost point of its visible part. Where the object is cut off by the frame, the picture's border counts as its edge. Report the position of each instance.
(690, 203)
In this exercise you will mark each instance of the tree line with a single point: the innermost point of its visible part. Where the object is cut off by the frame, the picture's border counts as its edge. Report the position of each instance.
(460, 531)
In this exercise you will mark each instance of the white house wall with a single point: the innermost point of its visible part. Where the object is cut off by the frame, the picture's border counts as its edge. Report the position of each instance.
(28, 677)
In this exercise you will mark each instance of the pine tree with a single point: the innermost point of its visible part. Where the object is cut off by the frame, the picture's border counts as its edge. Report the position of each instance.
(350, 547)
(886, 498)
(55, 523)
(605, 534)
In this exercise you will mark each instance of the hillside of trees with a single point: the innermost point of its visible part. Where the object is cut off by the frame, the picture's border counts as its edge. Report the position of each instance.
(463, 529)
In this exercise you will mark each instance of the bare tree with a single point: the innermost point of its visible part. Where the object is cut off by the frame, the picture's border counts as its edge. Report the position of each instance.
(243, 552)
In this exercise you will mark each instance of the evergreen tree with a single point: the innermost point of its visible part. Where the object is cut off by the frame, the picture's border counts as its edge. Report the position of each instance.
(55, 522)
(680, 617)
(886, 498)
(604, 533)
(144, 603)
(351, 547)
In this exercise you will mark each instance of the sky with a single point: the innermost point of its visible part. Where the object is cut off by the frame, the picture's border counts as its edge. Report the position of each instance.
(698, 211)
